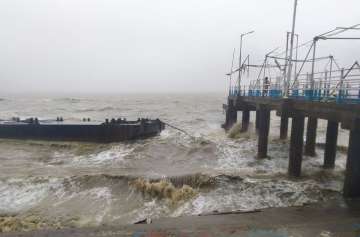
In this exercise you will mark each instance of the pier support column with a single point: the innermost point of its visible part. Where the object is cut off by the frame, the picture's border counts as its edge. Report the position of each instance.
(331, 143)
(231, 115)
(352, 173)
(264, 126)
(311, 137)
(257, 120)
(245, 120)
(296, 145)
(284, 124)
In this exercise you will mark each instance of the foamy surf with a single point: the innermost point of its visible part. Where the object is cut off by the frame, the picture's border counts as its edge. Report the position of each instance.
(70, 184)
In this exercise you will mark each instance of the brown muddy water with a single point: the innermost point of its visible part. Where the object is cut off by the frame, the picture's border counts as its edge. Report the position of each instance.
(46, 184)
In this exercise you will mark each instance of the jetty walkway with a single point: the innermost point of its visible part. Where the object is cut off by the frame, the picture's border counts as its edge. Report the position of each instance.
(333, 96)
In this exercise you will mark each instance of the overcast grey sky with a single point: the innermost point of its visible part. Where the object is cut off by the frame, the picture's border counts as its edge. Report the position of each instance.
(151, 45)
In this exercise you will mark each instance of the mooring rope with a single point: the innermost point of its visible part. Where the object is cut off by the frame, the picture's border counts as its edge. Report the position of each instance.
(179, 129)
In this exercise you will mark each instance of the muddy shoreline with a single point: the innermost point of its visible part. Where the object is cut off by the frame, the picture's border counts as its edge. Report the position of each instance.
(335, 218)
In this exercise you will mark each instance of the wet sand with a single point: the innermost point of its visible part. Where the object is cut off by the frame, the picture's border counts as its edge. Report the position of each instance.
(336, 218)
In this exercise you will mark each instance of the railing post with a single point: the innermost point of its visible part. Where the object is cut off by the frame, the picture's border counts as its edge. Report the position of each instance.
(341, 87)
(306, 92)
(320, 92)
(326, 89)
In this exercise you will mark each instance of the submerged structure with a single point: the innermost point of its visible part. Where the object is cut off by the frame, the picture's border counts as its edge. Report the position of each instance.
(114, 130)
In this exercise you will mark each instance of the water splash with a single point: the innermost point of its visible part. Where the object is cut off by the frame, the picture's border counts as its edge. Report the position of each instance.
(164, 189)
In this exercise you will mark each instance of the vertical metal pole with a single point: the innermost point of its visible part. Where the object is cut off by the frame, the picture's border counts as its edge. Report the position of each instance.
(286, 62)
(331, 66)
(306, 86)
(266, 58)
(313, 65)
(248, 68)
(291, 50)
(319, 89)
(231, 70)
(326, 85)
(296, 55)
(340, 94)
(240, 59)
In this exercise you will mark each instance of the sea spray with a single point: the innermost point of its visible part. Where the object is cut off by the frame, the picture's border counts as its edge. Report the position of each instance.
(164, 189)
(82, 170)
(236, 132)
(195, 181)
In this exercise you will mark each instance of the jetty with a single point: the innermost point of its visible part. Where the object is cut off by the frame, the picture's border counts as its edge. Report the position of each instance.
(332, 94)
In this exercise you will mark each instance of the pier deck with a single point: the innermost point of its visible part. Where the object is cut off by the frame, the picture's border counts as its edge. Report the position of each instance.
(297, 109)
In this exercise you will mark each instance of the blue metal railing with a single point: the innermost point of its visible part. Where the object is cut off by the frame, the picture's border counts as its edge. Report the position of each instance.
(321, 95)
(339, 86)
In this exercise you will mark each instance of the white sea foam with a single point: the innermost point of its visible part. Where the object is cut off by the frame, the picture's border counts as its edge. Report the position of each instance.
(92, 204)
(18, 195)
(116, 154)
(96, 199)
(255, 194)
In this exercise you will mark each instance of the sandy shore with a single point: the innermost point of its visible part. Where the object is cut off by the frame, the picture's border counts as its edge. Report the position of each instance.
(337, 218)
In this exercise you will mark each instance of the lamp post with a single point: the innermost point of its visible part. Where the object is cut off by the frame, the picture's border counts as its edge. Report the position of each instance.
(240, 56)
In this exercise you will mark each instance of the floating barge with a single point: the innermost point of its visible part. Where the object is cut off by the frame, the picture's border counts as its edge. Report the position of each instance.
(114, 130)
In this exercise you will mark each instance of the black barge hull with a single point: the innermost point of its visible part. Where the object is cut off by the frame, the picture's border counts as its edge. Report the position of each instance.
(105, 132)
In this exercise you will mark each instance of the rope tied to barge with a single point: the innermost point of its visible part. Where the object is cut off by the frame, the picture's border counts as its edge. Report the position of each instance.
(179, 129)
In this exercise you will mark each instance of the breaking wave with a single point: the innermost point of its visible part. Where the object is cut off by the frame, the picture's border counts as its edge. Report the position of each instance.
(70, 184)
(164, 189)
(90, 200)
(19, 195)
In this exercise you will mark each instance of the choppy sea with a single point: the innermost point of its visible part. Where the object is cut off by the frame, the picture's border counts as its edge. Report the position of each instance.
(74, 184)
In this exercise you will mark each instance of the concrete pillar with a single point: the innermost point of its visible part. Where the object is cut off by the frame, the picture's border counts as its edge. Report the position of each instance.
(264, 126)
(284, 124)
(231, 115)
(245, 120)
(296, 145)
(311, 137)
(257, 120)
(352, 173)
(330, 145)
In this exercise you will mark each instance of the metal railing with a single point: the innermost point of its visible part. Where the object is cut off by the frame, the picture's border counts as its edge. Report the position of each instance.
(340, 86)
